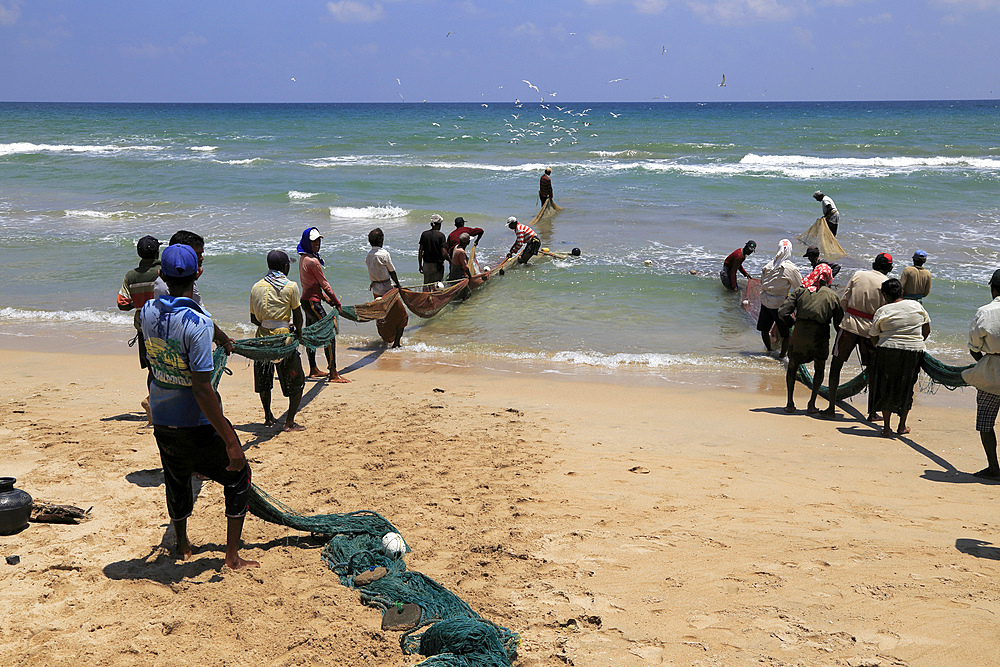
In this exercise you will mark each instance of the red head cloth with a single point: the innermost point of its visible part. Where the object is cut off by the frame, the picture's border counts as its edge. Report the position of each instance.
(822, 273)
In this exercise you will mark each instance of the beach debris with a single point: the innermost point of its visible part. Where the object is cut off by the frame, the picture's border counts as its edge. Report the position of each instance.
(370, 575)
(393, 545)
(46, 512)
(439, 390)
(402, 617)
(13, 560)
(639, 470)
(648, 262)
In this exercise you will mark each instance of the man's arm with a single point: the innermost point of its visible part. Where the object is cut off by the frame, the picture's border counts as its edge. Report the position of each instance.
(220, 337)
(395, 280)
(125, 297)
(297, 323)
(420, 258)
(742, 270)
(201, 384)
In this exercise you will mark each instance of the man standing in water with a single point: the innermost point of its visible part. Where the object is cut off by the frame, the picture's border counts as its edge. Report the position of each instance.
(274, 301)
(916, 280)
(545, 186)
(382, 274)
(191, 431)
(829, 211)
(431, 253)
(461, 228)
(862, 297)
(778, 279)
(526, 236)
(812, 254)
(734, 263)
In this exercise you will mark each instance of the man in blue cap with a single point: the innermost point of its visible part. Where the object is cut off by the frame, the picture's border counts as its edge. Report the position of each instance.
(192, 433)
(916, 280)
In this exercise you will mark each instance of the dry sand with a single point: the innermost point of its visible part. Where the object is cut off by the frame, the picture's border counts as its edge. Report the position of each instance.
(608, 524)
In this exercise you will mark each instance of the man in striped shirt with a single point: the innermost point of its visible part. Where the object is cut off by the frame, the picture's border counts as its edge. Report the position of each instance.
(527, 237)
(137, 289)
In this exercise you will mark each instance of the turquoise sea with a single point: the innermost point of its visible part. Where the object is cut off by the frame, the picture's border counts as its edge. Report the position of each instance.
(651, 192)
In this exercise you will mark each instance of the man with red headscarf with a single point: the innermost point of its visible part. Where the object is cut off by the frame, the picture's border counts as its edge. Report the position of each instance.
(815, 306)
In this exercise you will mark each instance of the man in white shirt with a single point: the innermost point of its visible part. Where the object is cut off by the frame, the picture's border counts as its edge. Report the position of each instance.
(778, 279)
(383, 278)
(984, 345)
(830, 211)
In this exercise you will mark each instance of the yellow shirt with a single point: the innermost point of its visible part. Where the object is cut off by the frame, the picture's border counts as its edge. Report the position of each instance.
(273, 307)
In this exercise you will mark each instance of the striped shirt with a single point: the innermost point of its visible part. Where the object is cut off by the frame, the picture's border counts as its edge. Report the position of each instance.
(137, 288)
(524, 234)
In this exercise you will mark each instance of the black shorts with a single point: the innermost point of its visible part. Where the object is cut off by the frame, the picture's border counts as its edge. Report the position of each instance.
(290, 375)
(531, 247)
(199, 449)
(143, 360)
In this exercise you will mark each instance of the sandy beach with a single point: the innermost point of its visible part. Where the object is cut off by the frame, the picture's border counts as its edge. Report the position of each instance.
(607, 523)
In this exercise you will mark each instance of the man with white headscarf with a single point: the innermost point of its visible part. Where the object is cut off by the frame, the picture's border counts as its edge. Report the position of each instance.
(777, 279)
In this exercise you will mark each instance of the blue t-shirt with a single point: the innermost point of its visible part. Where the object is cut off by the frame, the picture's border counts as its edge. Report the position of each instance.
(178, 341)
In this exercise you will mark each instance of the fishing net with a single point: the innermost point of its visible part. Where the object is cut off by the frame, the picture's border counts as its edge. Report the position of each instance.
(820, 236)
(453, 634)
(429, 303)
(373, 310)
(939, 372)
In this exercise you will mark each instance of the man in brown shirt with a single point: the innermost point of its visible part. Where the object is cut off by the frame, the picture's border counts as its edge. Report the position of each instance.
(916, 279)
(861, 298)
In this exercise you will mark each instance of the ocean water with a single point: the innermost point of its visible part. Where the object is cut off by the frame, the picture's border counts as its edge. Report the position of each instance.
(654, 194)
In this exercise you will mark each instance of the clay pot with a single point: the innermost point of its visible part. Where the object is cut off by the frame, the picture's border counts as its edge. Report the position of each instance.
(15, 507)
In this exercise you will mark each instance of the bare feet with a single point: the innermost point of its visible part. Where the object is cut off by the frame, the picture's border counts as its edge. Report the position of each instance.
(903, 431)
(185, 552)
(338, 378)
(293, 427)
(790, 408)
(811, 409)
(318, 374)
(988, 473)
(829, 413)
(874, 417)
(887, 432)
(240, 563)
(270, 421)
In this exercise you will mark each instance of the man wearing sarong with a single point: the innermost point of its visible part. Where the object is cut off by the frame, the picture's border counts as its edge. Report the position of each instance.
(734, 263)
(382, 274)
(861, 298)
(815, 306)
(829, 211)
(274, 301)
(315, 290)
(545, 186)
(916, 280)
(137, 289)
(431, 253)
(778, 279)
(526, 236)
(191, 431)
(984, 345)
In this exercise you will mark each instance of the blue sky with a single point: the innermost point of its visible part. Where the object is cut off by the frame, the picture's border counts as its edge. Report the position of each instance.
(482, 51)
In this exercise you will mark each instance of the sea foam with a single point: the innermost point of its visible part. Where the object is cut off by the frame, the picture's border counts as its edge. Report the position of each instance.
(86, 316)
(387, 212)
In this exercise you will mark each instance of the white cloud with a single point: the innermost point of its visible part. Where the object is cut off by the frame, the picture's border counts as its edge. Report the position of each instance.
(885, 17)
(10, 12)
(738, 11)
(805, 37)
(149, 50)
(528, 28)
(602, 41)
(970, 4)
(348, 11)
(650, 6)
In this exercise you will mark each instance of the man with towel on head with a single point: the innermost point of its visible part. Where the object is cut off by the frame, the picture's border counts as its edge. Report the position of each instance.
(916, 280)
(861, 298)
(815, 306)
(315, 290)
(778, 279)
(829, 211)
(274, 302)
(431, 253)
(734, 263)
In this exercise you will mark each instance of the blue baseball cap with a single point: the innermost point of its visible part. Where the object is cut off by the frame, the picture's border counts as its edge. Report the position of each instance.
(920, 253)
(179, 261)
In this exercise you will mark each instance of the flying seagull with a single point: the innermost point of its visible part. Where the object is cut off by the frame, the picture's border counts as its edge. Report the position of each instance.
(617, 80)
(531, 85)
(723, 84)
